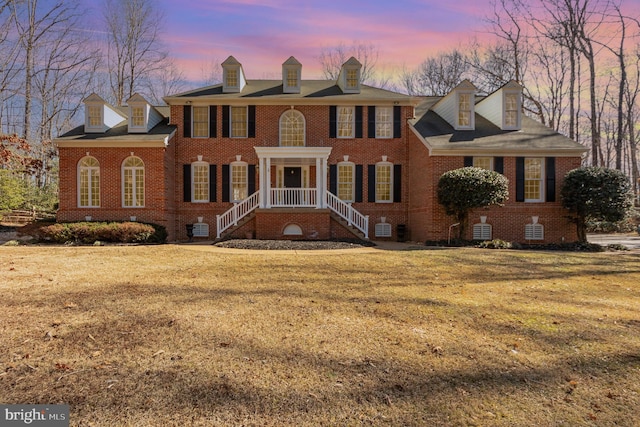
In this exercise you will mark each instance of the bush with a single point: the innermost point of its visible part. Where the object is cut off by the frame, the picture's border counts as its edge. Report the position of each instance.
(90, 232)
(495, 244)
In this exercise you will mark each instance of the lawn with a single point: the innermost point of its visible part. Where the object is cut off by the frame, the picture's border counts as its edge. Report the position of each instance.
(180, 335)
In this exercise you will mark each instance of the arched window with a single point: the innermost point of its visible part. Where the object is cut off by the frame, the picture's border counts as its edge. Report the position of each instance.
(89, 182)
(133, 183)
(292, 129)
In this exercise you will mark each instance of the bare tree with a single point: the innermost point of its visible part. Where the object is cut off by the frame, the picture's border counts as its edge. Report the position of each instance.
(168, 79)
(211, 72)
(9, 66)
(332, 58)
(134, 46)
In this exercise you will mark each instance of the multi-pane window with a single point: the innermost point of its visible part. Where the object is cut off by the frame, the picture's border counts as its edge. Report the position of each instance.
(137, 116)
(384, 122)
(89, 183)
(533, 179)
(292, 132)
(95, 116)
(238, 122)
(200, 182)
(133, 182)
(345, 122)
(511, 110)
(238, 181)
(483, 162)
(346, 181)
(464, 110)
(200, 122)
(232, 78)
(352, 78)
(383, 182)
(292, 78)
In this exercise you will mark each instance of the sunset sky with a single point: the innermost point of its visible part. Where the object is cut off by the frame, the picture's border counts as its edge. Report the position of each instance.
(262, 34)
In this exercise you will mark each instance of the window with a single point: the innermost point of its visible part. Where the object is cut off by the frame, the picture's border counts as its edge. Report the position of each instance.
(238, 122)
(352, 78)
(200, 182)
(238, 181)
(345, 122)
(292, 129)
(200, 122)
(534, 231)
(292, 78)
(384, 122)
(95, 116)
(383, 182)
(137, 116)
(511, 109)
(200, 229)
(464, 110)
(482, 231)
(533, 180)
(133, 183)
(483, 162)
(346, 183)
(89, 183)
(232, 78)
(383, 229)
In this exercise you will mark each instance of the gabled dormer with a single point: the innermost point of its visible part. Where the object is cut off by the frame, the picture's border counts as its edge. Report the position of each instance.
(99, 116)
(503, 107)
(233, 79)
(458, 106)
(349, 77)
(142, 115)
(291, 76)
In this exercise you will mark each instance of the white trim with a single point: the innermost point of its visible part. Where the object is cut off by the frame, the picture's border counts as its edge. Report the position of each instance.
(133, 183)
(193, 183)
(471, 125)
(193, 119)
(238, 163)
(353, 122)
(390, 123)
(541, 180)
(491, 166)
(390, 165)
(89, 169)
(304, 127)
(246, 122)
(352, 183)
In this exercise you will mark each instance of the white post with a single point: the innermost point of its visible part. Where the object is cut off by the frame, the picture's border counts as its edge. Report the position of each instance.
(267, 178)
(262, 200)
(323, 178)
(217, 226)
(319, 186)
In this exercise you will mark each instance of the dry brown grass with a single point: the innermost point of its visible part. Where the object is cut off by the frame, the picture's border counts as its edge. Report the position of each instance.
(188, 335)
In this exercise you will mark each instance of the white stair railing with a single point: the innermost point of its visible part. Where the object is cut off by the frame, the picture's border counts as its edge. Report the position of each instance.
(348, 213)
(293, 197)
(231, 217)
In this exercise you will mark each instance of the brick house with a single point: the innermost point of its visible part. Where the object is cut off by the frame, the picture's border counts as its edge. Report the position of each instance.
(312, 159)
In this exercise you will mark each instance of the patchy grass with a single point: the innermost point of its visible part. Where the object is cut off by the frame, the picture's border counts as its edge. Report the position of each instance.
(191, 335)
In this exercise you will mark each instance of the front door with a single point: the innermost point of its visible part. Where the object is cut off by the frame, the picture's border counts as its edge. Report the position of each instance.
(292, 177)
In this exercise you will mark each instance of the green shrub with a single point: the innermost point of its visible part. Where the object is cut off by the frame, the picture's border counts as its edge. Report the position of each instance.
(90, 232)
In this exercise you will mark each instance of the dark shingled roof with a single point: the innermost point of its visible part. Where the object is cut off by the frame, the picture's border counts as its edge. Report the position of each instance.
(120, 132)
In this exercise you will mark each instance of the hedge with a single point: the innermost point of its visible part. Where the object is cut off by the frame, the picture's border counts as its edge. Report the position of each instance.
(115, 232)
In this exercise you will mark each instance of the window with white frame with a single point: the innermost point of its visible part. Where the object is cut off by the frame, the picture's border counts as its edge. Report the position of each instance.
(238, 181)
(137, 116)
(133, 183)
(346, 118)
(352, 78)
(199, 182)
(483, 163)
(238, 122)
(384, 176)
(89, 183)
(292, 129)
(200, 122)
(533, 180)
(95, 116)
(464, 110)
(511, 110)
(346, 181)
(384, 122)
(292, 77)
(232, 77)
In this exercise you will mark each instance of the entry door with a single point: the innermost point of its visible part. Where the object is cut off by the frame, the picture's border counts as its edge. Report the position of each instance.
(292, 177)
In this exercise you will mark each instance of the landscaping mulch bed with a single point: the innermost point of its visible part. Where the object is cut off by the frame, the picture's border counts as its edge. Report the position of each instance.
(291, 244)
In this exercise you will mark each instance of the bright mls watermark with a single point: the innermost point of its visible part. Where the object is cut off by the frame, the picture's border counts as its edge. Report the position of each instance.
(34, 415)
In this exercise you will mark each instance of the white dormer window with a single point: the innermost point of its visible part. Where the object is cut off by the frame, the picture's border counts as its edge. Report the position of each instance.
(291, 76)
(352, 79)
(99, 116)
(95, 116)
(511, 110)
(465, 110)
(349, 78)
(233, 80)
(137, 117)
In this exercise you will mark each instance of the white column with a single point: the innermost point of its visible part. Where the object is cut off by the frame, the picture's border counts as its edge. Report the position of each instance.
(319, 184)
(268, 182)
(262, 196)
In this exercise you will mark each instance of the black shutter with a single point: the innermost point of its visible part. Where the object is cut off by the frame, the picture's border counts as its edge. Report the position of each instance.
(359, 121)
(550, 174)
(371, 183)
(358, 183)
(371, 121)
(251, 185)
(213, 121)
(397, 121)
(186, 122)
(333, 121)
(468, 161)
(333, 179)
(186, 183)
(213, 188)
(251, 125)
(498, 164)
(519, 179)
(226, 113)
(397, 183)
(225, 183)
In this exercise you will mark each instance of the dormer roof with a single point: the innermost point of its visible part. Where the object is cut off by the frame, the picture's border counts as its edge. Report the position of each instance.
(292, 61)
(142, 115)
(450, 106)
(291, 76)
(99, 116)
(503, 107)
(349, 77)
(233, 79)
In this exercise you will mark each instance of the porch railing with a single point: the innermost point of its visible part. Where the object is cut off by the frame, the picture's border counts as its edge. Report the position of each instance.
(231, 217)
(348, 213)
(293, 197)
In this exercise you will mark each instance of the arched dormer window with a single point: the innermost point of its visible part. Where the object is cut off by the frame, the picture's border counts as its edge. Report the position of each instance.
(89, 182)
(133, 182)
(292, 129)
